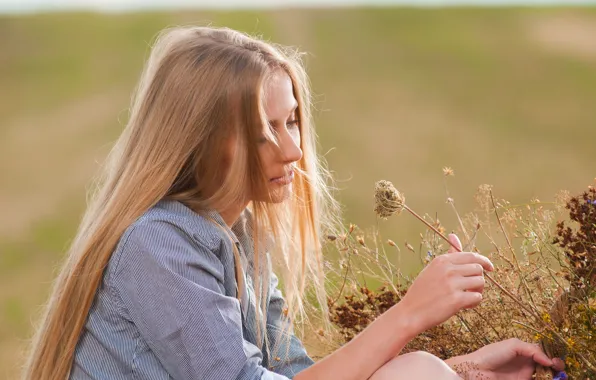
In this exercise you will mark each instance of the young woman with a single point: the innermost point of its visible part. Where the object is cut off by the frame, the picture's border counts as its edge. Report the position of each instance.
(169, 276)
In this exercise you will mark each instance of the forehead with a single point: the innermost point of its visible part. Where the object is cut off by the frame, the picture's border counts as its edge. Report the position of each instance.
(279, 98)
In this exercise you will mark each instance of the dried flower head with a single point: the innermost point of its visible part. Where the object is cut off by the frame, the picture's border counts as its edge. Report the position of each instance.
(561, 301)
(483, 196)
(579, 243)
(388, 200)
(361, 241)
(447, 171)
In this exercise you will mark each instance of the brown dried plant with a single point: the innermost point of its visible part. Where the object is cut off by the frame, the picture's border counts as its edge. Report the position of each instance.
(543, 288)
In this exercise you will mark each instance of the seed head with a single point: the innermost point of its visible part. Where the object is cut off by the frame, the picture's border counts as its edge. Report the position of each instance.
(447, 171)
(388, 200)
(361, 241)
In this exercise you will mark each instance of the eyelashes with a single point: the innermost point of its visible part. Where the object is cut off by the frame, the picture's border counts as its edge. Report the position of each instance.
(291, 125)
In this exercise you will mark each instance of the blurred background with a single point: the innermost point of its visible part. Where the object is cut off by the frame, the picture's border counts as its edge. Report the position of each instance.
(505, 95)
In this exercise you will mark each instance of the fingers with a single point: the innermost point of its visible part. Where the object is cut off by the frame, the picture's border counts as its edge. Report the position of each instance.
(455, 241)
(471, 258)
(558, 364)
(467, 270)
(472, 284)
(532, 351)
(470, 271)
(469, 300)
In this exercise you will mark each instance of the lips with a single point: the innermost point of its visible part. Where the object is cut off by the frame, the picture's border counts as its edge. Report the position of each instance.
(284, 180)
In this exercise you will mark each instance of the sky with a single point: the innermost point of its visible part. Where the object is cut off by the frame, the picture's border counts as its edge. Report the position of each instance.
(28, 6)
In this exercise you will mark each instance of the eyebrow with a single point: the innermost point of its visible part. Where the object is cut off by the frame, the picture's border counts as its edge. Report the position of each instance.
(272, 122)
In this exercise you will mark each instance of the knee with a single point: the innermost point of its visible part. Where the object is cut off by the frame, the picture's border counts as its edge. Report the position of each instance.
(422, 358)
(415, 365)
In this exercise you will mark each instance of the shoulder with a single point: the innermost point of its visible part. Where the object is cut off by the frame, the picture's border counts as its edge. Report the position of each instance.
(173, 219)
(171, 235)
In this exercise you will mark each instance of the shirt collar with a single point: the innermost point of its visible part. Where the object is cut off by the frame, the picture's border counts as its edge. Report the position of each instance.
(216, 216)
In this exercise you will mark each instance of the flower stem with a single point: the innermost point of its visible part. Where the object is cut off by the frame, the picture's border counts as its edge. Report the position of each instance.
(526, 309)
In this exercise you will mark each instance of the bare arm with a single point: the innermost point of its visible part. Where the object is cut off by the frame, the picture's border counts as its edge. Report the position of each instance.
(451, 282)
(367, 352)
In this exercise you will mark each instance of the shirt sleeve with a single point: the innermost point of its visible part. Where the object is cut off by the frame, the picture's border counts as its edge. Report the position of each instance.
(172, 288)
(288, 355)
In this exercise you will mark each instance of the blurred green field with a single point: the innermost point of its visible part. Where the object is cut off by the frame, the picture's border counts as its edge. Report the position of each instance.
(504, 96)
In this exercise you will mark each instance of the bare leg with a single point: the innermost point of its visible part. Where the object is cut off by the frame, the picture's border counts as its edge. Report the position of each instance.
(418, 365)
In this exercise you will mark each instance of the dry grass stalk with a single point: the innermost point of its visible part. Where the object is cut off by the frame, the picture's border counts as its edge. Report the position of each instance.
(546, 283)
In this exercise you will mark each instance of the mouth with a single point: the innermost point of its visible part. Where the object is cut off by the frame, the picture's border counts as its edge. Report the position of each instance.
(283, 180)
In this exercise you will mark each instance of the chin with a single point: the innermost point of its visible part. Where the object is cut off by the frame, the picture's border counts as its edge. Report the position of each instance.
(280, 195)
(280, 198)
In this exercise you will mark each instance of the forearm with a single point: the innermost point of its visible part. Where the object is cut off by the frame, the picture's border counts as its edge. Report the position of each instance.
(372, 348)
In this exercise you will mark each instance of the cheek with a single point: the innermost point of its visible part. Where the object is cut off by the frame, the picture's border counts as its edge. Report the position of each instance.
(266, 154)
(228, 152)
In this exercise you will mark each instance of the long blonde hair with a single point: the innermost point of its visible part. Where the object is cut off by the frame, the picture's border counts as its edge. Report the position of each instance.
(200, 86)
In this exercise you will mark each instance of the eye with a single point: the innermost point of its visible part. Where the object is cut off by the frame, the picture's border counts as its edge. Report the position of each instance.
(293, 123)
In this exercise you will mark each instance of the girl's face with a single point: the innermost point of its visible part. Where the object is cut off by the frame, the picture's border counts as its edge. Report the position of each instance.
(280, 109)
(278, 161)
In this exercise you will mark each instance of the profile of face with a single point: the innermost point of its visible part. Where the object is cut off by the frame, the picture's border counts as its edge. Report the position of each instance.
(278, 160)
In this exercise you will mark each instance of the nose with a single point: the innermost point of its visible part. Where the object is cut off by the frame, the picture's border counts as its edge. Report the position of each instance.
(289, 145)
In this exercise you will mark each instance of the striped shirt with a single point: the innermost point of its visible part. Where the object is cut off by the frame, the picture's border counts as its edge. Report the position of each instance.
(167, 307)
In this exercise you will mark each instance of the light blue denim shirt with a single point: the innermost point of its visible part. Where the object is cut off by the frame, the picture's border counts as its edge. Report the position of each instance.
(167, 307)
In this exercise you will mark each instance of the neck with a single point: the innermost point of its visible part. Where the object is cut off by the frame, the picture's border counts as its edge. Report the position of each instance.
(231, 214)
